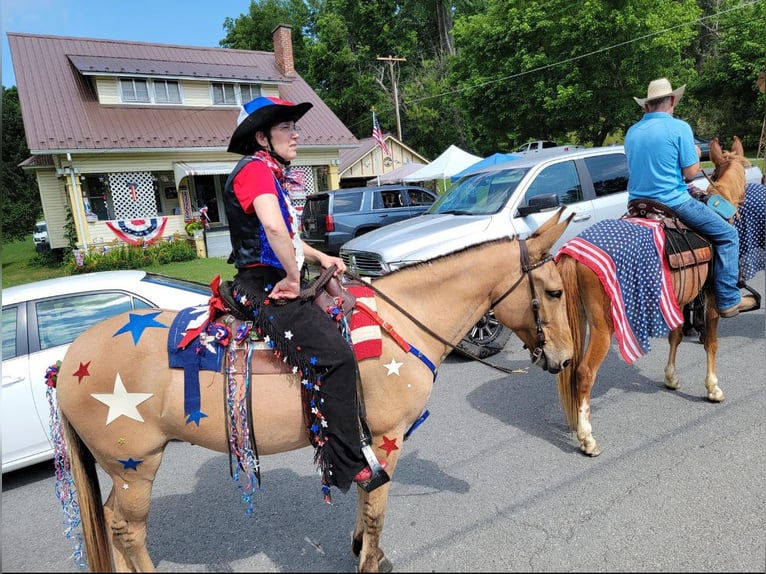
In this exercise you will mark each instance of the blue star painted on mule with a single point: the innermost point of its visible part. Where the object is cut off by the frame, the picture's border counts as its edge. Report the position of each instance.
(129, 464)
(137, 323)
(195, 416)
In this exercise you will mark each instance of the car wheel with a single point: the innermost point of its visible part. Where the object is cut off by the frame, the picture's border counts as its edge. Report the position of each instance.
(486, 338)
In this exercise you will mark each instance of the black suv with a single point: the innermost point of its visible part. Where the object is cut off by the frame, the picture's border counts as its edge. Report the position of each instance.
(330, 218)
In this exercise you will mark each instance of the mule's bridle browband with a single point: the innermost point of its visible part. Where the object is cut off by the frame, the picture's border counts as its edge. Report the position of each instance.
(526, 270)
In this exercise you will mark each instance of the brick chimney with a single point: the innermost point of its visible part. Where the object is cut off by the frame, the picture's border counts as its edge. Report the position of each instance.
(283, 49)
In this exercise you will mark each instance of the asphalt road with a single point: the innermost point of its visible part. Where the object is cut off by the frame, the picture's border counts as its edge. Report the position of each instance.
(492, 481)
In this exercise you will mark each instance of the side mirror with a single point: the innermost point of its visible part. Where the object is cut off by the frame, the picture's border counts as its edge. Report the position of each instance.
(540, 203)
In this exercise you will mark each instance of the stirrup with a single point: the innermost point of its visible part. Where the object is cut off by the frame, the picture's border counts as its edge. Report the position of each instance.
(379, 475)
(378, 478)
(754, 293)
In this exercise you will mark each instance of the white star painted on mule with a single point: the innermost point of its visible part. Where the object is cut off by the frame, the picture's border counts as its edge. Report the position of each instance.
(121, 402)
(393, 367)
(288, 335)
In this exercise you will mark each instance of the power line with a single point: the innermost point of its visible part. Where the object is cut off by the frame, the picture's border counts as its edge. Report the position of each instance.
(580, 57)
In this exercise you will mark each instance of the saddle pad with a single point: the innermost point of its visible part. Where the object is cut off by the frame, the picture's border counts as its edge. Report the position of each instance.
(207, 355)
(627, 255)
(365, 332)
(751, 226)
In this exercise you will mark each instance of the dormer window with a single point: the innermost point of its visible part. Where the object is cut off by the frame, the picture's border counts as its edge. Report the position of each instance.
(134, 90)
(224, 94)
(249, 92)
(150, 91)
(167, 92)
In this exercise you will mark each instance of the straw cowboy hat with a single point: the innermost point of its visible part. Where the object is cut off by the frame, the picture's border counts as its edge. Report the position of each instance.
(259, 115)
(659, 89)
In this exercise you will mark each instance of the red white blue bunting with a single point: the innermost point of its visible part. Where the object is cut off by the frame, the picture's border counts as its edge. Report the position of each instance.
(138, 231)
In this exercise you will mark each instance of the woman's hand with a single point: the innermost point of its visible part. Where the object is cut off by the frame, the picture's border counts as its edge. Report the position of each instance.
(286, 289)
(328, 261)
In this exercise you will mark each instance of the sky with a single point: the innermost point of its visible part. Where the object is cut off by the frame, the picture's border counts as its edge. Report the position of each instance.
(189, 23)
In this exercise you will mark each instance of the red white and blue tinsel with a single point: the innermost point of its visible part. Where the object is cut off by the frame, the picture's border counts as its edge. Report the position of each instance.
(138, 231)
(65, 488)
(245, 466)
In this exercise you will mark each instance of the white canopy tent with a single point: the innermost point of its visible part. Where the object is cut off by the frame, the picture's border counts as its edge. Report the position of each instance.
(450, 162)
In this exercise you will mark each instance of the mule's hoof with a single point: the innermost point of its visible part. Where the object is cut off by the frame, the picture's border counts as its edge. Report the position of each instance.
(716, 396)
(592, 452)
(385, 565)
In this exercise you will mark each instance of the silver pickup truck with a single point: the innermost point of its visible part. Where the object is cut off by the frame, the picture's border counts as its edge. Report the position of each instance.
(512, 198)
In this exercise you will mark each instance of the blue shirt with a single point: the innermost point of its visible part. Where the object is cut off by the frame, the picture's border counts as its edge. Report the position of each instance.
(658, 147)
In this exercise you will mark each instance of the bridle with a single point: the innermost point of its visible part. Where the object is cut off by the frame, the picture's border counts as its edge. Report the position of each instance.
(526, 272)
(527, 268)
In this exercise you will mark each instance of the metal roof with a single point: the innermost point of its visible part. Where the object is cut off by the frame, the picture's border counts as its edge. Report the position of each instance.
(61, 111)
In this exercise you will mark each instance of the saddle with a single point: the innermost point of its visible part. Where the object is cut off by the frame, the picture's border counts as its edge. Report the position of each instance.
(326, 291)
(687, 252)
(683, 246)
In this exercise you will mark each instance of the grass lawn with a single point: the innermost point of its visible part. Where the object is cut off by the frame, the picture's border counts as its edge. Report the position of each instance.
(21, 265)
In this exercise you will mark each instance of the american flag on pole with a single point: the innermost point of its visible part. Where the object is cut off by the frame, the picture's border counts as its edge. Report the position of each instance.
(378, 135)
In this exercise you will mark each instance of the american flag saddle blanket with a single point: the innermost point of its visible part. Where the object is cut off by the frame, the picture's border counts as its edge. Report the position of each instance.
(627, 255)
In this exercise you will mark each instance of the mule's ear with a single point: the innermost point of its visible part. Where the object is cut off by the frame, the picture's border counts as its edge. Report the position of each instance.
(716, 153)
(550, 231)
(737, 148)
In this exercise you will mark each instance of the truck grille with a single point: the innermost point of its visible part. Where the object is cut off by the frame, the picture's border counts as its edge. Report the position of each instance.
(362, 263)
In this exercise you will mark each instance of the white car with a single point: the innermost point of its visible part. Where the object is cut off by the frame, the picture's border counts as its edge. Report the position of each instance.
(41, 319)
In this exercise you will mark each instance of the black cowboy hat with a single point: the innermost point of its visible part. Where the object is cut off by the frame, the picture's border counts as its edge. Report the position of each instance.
(260, 114)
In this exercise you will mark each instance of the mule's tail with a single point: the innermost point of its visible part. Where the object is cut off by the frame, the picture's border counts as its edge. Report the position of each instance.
(567, 377)
(83, 467)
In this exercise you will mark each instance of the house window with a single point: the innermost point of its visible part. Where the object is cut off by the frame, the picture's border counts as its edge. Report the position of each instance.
(249, 92)
(167, 92)
(134, 90)
(224, 94)
(96, 192)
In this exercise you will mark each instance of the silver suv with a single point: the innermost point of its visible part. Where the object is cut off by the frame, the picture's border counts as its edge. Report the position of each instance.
(512, 198)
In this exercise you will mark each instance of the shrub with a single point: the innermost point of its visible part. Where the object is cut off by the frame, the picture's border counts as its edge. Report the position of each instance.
(124, 256)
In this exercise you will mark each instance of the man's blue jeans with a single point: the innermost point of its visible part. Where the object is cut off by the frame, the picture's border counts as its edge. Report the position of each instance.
(725, 240)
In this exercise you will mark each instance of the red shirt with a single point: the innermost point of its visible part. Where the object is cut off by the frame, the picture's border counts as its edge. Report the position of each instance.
(253, 180)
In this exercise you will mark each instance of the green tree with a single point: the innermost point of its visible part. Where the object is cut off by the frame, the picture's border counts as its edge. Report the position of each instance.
(725, 100)
(20, 200)
(541, 70)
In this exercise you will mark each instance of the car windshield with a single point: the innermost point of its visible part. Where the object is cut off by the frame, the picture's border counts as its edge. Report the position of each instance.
(40, 228)
(192, 286)
(479, 193)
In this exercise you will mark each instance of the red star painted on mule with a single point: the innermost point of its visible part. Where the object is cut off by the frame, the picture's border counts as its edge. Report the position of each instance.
(82, 372)
(388, 445)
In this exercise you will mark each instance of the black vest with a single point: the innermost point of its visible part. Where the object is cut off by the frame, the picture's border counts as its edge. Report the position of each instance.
(244, 228)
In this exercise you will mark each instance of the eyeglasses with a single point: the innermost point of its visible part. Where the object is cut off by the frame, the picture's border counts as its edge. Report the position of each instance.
(288, 127)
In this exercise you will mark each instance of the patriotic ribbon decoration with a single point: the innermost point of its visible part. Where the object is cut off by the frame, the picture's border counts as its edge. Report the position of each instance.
(138, 231)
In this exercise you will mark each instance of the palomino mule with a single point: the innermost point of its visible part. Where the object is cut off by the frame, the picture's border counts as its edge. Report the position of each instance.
(120, 404)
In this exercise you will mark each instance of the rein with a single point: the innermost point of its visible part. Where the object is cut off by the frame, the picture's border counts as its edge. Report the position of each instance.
(526, 270)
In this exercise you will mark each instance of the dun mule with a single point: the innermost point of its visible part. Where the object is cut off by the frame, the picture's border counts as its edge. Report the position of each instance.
(429, 306)
(592, 316)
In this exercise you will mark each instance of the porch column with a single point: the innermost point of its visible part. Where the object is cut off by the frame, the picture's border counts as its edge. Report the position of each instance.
(333, 179)
(74, 190)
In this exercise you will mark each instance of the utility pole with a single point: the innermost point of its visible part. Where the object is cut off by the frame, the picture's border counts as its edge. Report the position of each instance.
(391, 60)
